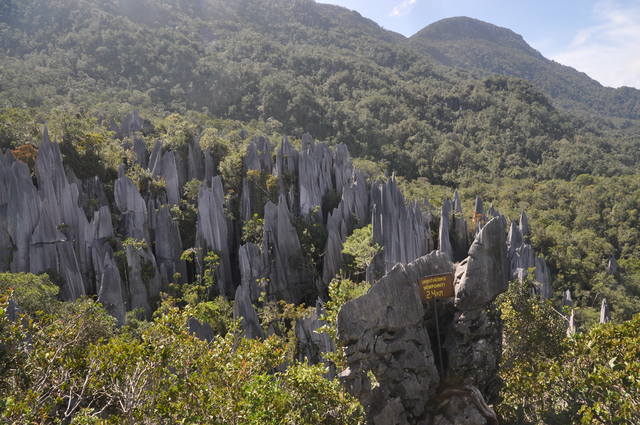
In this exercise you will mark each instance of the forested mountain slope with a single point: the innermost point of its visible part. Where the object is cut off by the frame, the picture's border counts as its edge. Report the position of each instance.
(304, 67)
(485, 49)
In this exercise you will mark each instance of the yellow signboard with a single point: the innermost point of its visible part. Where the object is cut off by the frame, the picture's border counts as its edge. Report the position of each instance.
(437, 286)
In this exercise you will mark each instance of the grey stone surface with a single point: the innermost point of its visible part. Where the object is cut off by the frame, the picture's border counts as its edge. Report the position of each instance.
(612, 265)
(315, 175)
(566, 299)
(132, 207)
(605, 312)
(110, 289)
(484, 274)
(289, 279)
(200, 330)
(213, 233)
(243, 309)
(383, 333)
(311, 345)
(459, 232)
(399, 228)
(141, 152)
(168, 247)
(444, 244)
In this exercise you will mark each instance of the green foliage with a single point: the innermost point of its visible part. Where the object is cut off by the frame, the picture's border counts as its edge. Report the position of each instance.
(33, 293)
(533, 334)
(347, 81)
(360, 250)
(341, 290)
(252, 230)
(76, 367)
(280, 318)
(135, 244)
(592, 378)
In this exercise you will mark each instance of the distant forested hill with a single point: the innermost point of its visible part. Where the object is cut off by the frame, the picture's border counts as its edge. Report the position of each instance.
(303, 67)
(485, 49)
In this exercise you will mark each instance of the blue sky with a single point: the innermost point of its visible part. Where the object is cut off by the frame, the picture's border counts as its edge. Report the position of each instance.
(599, 37)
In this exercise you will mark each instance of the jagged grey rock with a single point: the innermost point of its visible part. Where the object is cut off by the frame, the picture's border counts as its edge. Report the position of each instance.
(213, 232)
(464, 406)
(383, 333)
(311, 345)
(253, 270)
(399, 229)
(444, 244)
(566, 299)
(195, 162)
(289, 280)
(143, 279)
(352, 210)
(605, 313)
(132, 207)
(543, 277)
(525, 230)
(166, 168)
(571, 327)
(612, 265)
(315, 175)
(459, 234)
(200, 330)
(484, 274)
(168, 247)
(514, 240)
(141, 152)
(110, 289)
(243, 309)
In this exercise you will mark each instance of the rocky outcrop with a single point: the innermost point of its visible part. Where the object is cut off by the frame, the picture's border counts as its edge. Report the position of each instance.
(383, 335)
(444, 239)
(605, 312)
(213, 233)
(399, 229)
(612, 266)
(315, 176)
(384, 330)
(485, 273)
(168, 247)
(522, 257)
(352, 211)
(311, 344)
(459, 232)
(289, 278)
(243, 309)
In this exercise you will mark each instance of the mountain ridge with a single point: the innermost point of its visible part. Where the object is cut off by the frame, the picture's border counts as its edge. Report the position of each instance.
(485, 49)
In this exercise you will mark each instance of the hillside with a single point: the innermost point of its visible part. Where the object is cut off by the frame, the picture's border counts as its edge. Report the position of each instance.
(485, 49)
(302, 66)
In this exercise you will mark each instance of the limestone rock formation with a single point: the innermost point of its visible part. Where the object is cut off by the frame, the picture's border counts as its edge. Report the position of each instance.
(605, 313)
(312, 344)
(566, 299)
(612, 265)
(289, 279)
(484, 274)
(459, 232)
(383, 333)
(400, 229)
(444, 244)
(213, 233)
(243, 309)
(315, 175)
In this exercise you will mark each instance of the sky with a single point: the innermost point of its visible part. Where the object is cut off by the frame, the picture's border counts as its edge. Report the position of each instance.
(598, 37)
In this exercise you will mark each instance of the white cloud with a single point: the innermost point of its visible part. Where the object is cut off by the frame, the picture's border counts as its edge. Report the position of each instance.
(402, 8)
(610, 50)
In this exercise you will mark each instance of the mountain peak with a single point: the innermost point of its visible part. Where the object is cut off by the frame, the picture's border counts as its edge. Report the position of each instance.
(464, 28)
